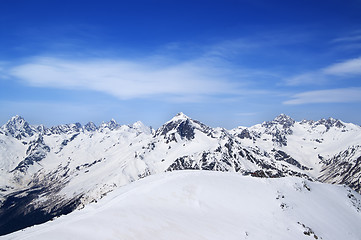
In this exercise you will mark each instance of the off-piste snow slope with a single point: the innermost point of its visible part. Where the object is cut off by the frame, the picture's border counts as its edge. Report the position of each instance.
(47, 172)
(212, 205)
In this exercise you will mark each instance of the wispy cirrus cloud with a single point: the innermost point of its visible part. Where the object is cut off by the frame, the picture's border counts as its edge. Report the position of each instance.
(340, 95)
(354, 36)
(177, 72)
(127, 79)
(323, 77)
(347, 39)
(348, 68)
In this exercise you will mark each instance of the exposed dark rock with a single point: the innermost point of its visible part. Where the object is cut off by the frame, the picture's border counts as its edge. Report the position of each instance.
(282, 156)
(244, 134)
(329, 123)
(18, 211)
(19, 128)
(184, 126)
(65, 129)
(344, 168)
(36, 152)
(90, 127)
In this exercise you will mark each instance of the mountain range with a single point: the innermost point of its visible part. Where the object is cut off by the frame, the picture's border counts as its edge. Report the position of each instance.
(48, 172)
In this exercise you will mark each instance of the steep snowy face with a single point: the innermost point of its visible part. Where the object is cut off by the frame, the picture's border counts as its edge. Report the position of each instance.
(212, 205)
(36, 152)
(141, 128)
(344, 167)
(19, 128)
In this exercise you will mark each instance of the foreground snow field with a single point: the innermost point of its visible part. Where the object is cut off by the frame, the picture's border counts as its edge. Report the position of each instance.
(212, 205)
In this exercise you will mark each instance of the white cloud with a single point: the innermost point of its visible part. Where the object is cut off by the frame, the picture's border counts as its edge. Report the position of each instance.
(341, 95)
(306, 78)
(351, 38)
(128, 79)
(349, 67)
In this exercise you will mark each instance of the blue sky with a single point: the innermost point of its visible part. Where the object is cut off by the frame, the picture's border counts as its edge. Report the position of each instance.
(225, 63)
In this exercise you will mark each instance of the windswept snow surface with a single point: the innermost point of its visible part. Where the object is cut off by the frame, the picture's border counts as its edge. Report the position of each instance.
(212, 205)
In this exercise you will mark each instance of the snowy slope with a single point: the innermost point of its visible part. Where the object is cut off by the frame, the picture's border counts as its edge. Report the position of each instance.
(47, 172)
(212, 205)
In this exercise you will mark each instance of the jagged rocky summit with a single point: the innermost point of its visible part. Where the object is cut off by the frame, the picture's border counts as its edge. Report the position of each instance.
(46, 172)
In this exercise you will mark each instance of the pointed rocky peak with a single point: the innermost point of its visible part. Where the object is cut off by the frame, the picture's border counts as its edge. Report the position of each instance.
(90, 127)
(179, 116)
(112, 124)
(66, 128)
(279, 128)
(335, 122)
(309, 122)
(16, 121)
(330, 122)
(282, 119)
(183, 125)
(76, 127)
(18, 128)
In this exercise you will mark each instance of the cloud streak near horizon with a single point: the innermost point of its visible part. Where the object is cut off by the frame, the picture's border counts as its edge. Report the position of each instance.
(347, 68)
(127, 79)
(188, 81)
(341, 95)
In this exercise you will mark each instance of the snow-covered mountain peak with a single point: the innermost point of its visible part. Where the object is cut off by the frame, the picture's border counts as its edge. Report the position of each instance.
(90, 127)
(179, 116)
(140, 127)
(327, 124)
(331, 122)
(66, 128)
(16, 118)
(284, 120)
(183, 125)
(18, 128)
(15, 121)
(112, 124)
